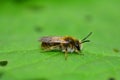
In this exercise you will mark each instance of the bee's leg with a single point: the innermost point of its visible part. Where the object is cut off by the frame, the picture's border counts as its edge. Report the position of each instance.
(47, 49)
(66, 54)
(64, 49)
(79, 52)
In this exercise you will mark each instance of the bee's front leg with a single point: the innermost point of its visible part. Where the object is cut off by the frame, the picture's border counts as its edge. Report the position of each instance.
(78, 52)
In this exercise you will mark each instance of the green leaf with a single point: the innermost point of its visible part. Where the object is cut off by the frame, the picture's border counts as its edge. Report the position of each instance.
(21, 26)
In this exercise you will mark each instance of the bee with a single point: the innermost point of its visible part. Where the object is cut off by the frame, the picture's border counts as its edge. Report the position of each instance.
(65, 44)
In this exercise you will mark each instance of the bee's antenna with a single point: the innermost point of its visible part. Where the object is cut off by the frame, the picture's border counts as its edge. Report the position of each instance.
(84, 39)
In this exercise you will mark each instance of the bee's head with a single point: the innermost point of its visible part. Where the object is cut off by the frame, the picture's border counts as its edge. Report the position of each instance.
(77, 45)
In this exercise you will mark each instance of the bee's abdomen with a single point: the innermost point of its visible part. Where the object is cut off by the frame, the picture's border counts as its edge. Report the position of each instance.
(47, 45)
(43, 45)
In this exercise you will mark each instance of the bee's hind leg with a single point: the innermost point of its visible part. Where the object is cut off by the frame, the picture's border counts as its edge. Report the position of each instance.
(47, 49)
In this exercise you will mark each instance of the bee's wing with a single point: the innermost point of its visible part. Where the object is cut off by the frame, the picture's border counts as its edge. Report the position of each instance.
(53, 39)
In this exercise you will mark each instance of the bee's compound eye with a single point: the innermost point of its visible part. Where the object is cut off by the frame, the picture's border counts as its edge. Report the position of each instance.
(77, 46)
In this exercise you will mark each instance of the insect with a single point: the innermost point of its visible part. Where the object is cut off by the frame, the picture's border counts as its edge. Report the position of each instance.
(65, 44)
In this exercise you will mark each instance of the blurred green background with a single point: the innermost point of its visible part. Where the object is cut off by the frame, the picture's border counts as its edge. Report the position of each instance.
(23, 22)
